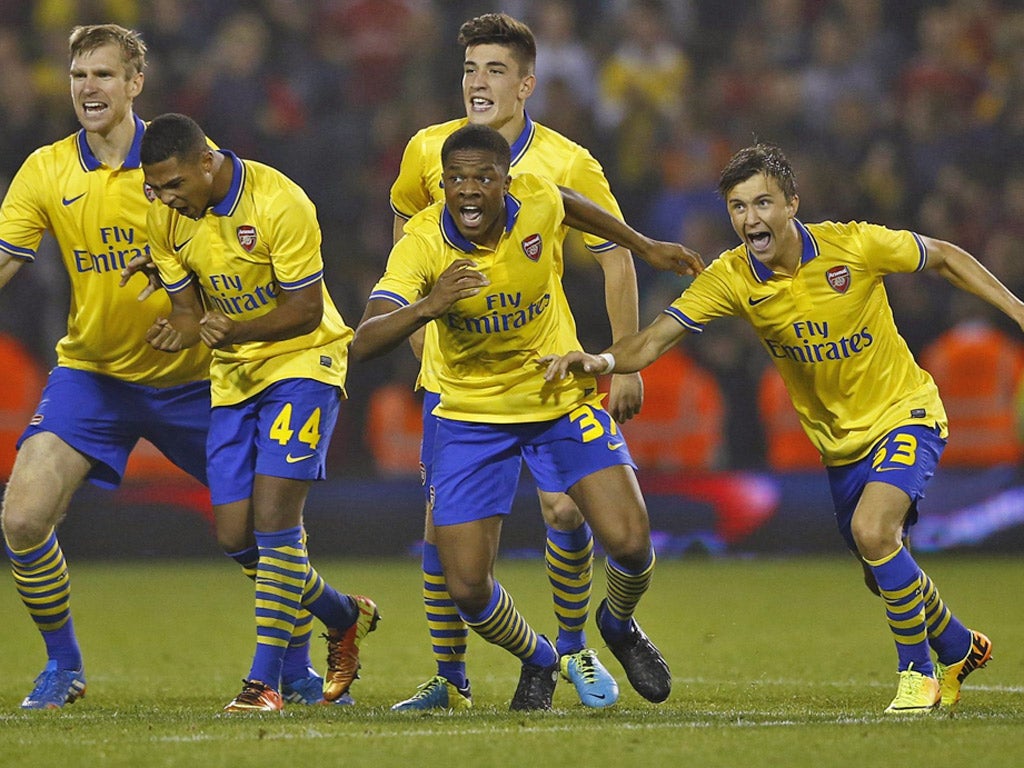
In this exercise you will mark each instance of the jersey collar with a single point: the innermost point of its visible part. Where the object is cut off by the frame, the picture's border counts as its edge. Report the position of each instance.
(763, 273)
(450, 230)
(227, 206)
(525, 138)
(132, 160)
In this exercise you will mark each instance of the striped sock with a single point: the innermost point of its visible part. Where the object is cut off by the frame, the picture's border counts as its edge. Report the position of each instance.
(625, 588)
(42, 579)
(501, 624)
(280, 579)
(335, 610)
(448, 632)
(569, 560)
(297, 661)
(950, 639)
(899, 582)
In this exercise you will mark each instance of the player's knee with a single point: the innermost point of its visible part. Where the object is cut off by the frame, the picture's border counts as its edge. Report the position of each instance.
(873, 541)
(631, 548)
(24, 526)
(471, 596)
(234, 541)
(560, 512)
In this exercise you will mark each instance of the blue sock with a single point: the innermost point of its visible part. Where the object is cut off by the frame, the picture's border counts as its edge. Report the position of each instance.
(335, 610)
(899, 582)
(501, 624)
(42, 580)
(448, 632)
(569, 559)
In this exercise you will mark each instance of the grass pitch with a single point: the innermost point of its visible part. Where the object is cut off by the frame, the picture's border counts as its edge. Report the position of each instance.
(775, 663)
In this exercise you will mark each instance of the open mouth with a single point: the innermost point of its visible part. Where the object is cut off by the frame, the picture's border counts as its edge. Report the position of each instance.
(480, 104)
(759, 241)
(471, 215)
(93, 108)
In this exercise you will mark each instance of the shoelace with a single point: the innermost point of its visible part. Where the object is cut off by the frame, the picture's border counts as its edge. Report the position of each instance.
(425, 690)
(47, 686)
(585, 665)
(251, 694)
(340, 660)
(911, 683)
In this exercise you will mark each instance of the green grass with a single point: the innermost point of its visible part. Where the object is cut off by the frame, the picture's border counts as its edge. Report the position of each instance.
(775, 662)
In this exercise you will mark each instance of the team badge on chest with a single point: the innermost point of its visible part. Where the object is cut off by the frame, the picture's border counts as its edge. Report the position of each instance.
(839, 278)
(246, 237)
(532, 246)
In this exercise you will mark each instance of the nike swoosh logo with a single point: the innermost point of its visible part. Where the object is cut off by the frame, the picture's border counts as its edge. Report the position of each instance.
(178, 246)
(70, 200)
(295, 459)
(754, 302)
(614, 446)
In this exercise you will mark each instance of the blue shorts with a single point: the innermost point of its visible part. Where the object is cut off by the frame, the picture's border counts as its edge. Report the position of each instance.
(284, 431)
(103, 418)
(906, 458)
(476, 466)
(430, 402)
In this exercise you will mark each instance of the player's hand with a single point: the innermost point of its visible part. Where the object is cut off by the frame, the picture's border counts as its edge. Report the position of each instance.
(625, 396)
(560, 366)
(459, 281)
(672, 257)
(162, 336)
(144, 264)
(217, 330)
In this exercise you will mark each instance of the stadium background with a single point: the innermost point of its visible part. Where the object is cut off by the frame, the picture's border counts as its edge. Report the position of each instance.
(905, 113)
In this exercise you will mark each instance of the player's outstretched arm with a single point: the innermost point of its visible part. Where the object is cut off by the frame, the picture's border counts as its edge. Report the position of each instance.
(587, 216)
(965, 272)
(625, 391)
(632, 353)
(383, 326)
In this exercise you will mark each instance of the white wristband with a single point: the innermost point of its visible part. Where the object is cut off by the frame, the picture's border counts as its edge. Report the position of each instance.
(609, 362)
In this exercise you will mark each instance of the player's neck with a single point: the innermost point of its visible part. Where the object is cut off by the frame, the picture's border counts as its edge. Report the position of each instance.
(223, 173)
(790, 251)
(112, 147)
(513, 128)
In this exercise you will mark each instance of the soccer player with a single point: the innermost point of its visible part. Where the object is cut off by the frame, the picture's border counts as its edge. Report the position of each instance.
(814, 294)
(498, 78)
(486, 265)
(237, 245)
(109, 388)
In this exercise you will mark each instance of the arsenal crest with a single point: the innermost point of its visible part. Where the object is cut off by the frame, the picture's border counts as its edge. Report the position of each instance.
(839, 278)
(532, 246)
(246, 237)
(148, 192)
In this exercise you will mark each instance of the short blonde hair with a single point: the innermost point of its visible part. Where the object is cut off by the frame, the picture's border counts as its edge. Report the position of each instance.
(89, 38)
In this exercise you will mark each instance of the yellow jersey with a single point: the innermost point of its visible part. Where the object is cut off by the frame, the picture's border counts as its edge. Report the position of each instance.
(261, 239)
(489, 344)
(98, 217)
(830, 332)
(538, 150)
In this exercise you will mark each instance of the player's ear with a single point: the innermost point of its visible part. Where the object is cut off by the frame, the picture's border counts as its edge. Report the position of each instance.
(526, 86)
(793, 205)
(206, 160)
(135, 85)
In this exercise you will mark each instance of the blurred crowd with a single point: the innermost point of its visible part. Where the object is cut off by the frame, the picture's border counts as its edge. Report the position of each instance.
(909, 114)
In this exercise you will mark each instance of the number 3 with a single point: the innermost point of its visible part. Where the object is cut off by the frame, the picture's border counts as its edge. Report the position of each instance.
(904, 452)
(590, 427)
